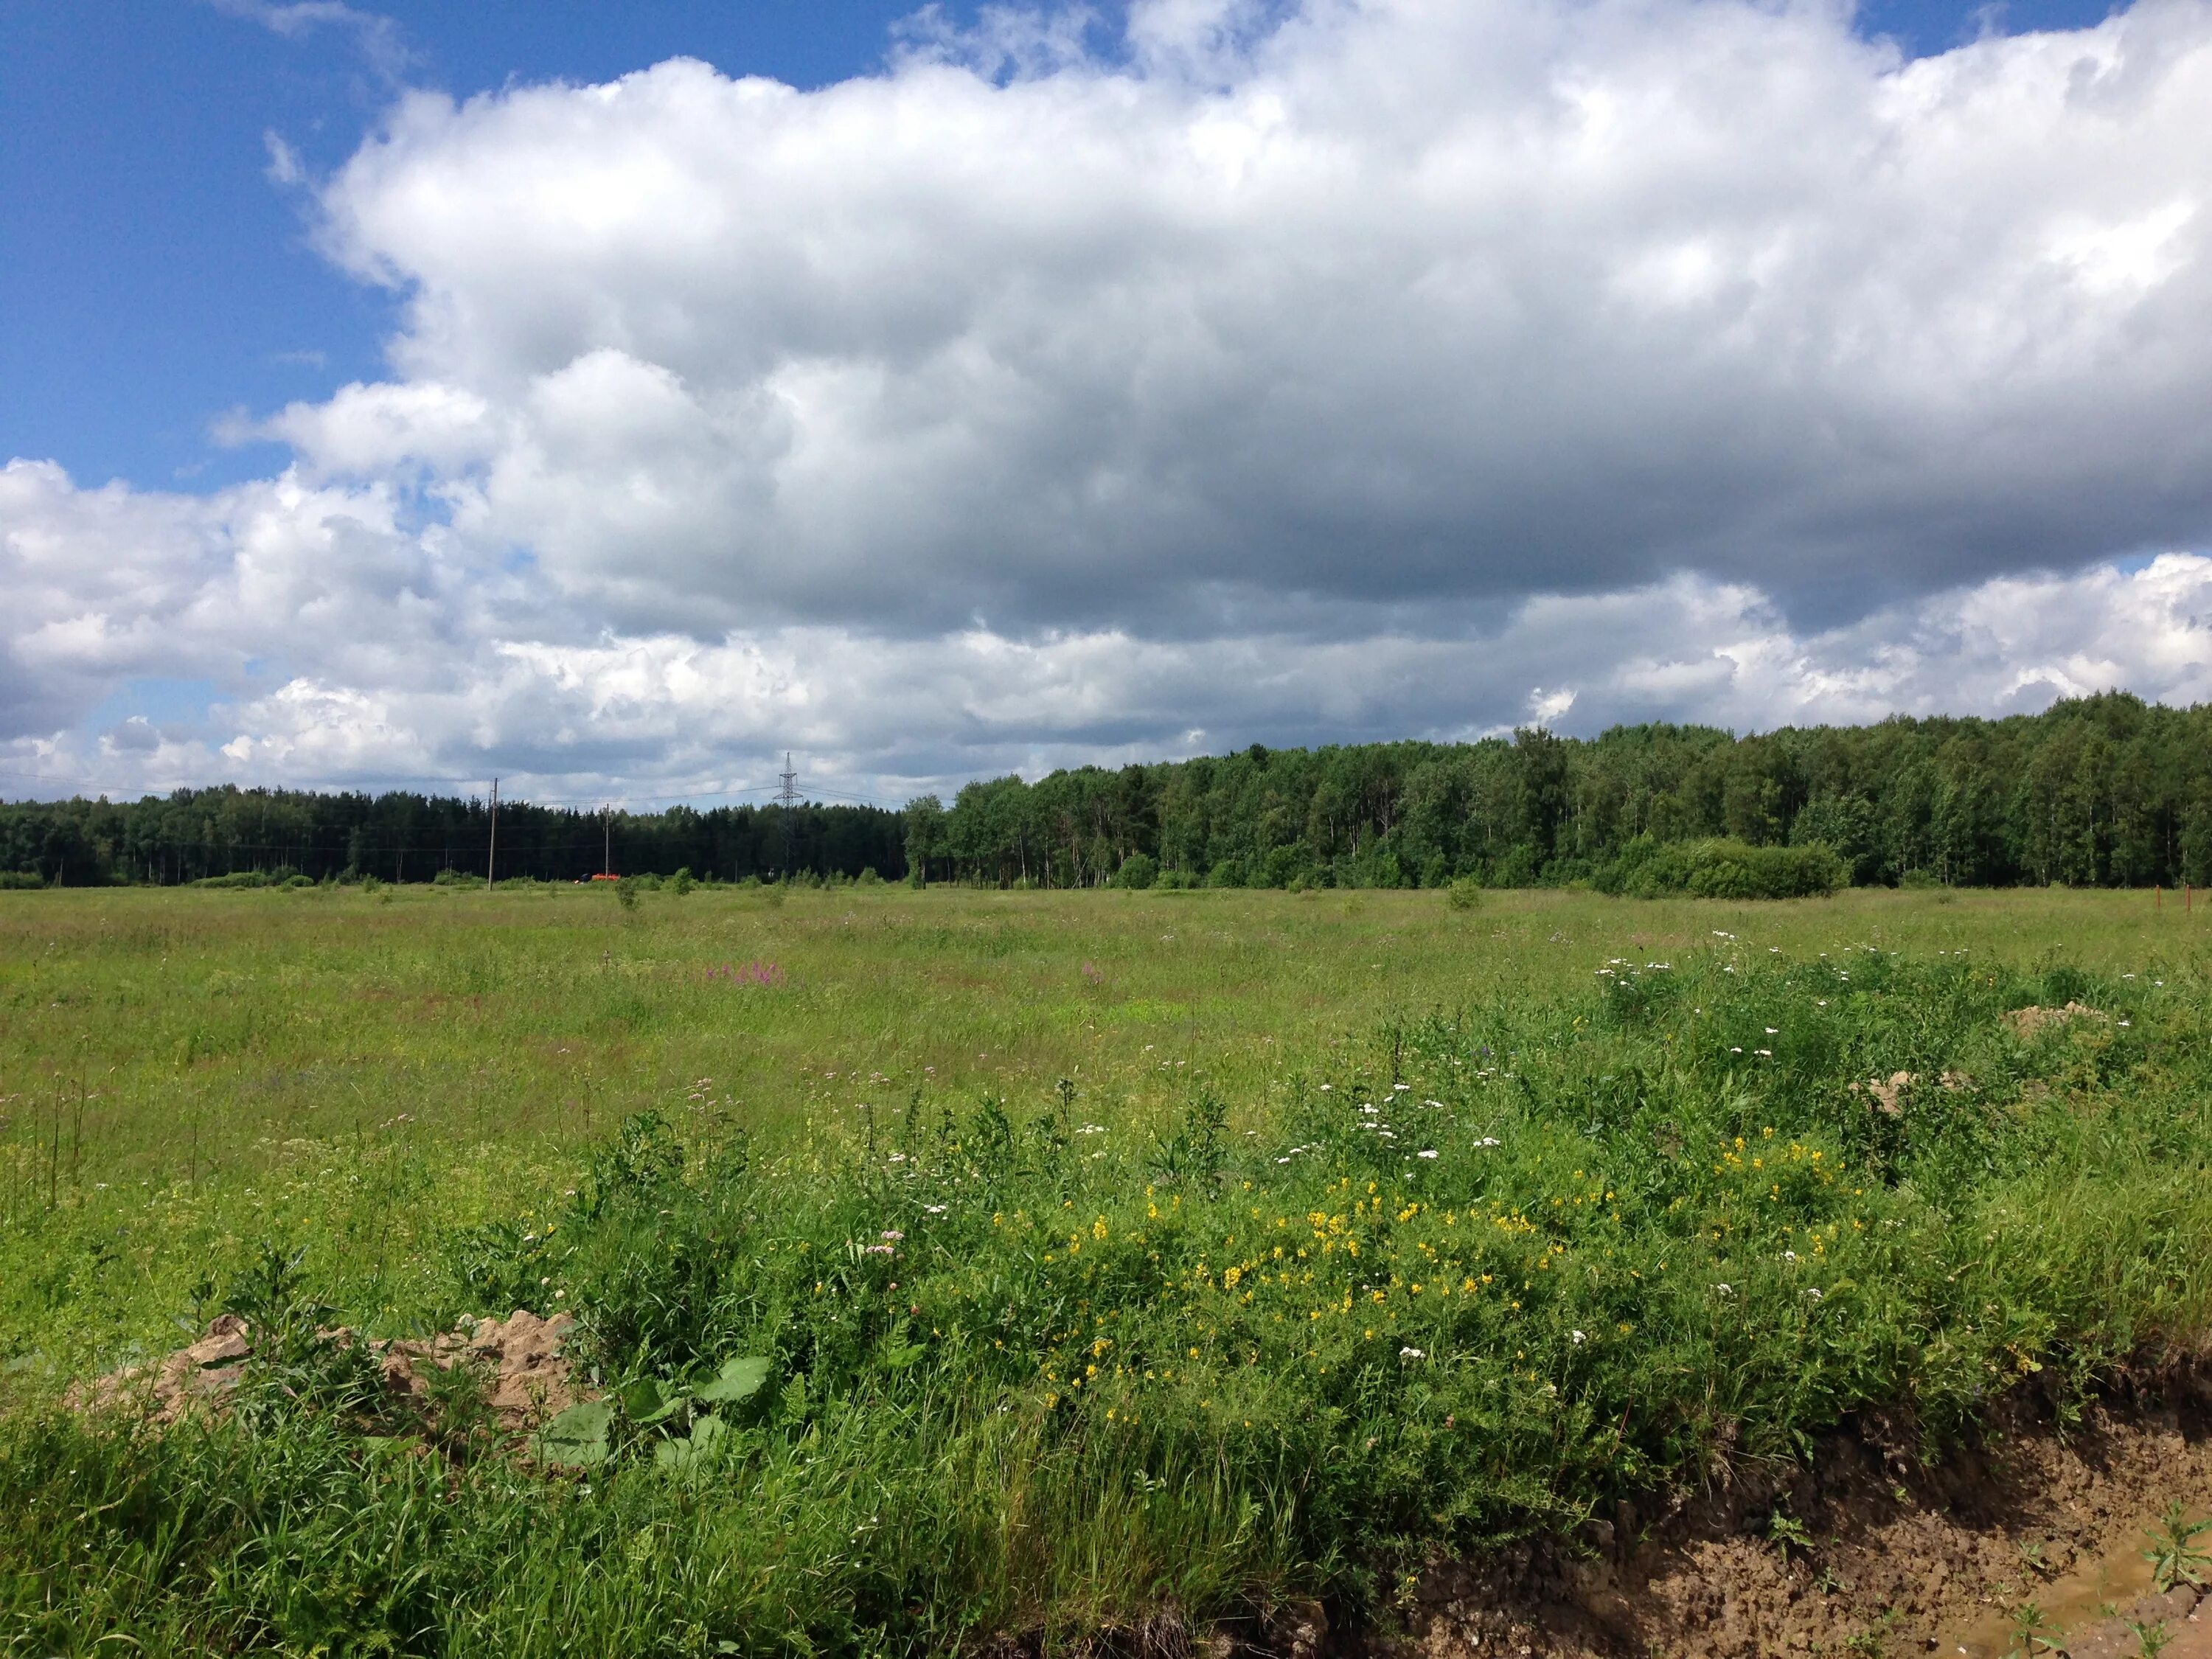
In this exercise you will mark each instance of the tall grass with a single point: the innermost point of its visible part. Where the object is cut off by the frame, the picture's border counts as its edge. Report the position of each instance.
(1067, 1363)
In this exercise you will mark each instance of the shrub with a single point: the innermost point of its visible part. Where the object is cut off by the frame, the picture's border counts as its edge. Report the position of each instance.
(681, 882)
(235, 879)
(1139, 871)
(13, 881)
(1723, 869)
(1465, 894)
(1229, 872)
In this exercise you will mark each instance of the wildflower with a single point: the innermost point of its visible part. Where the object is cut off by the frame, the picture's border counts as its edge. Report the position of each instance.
(1814, 1293)
(1411, 1354)
(1428, 1153)
(1578, 1336)
(1725, 1289)
(934, 1209)
(892, 1234)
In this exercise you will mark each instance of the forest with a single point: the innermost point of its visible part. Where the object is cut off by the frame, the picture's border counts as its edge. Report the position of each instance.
(224, 833)
(2102, 791)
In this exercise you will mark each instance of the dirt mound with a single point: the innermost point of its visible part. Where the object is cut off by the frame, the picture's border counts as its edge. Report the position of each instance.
(1888, 1096)
(2028, 1021)
(1871, 1556)
(523, 1376)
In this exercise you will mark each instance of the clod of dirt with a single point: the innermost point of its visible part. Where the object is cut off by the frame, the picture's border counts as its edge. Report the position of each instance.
(525, 1378)
(2027, 1022)
(196, 1375)
(1889, 1097)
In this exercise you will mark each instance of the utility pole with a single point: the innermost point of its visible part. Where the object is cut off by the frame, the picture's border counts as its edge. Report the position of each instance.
(491, 858)
(606, 840)
(787, 797)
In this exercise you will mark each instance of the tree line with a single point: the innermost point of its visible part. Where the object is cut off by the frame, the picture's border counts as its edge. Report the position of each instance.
(2102, 791)
(194, 835)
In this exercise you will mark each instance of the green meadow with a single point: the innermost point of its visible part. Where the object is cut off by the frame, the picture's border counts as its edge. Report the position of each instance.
(1117, 1262)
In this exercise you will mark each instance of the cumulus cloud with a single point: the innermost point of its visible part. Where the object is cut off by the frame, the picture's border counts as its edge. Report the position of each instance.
(1392, 303)
(1287, 373)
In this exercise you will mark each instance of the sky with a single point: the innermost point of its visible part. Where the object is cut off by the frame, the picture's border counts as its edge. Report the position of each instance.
(612, 399)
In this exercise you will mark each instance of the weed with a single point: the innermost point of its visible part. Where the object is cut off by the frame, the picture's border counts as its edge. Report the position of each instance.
(2031, 1632)
(2174, 1556)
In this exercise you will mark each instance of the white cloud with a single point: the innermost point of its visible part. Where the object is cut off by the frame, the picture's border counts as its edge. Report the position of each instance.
(1293, 374)
(1400, 303)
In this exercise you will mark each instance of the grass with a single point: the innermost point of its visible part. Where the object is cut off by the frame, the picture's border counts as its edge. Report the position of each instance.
(1124, 1261)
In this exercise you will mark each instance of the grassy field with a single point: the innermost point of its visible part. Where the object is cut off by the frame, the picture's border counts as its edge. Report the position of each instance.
(1117, 1257)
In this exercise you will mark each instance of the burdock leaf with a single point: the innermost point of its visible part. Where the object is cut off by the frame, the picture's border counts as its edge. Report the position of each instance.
(739, 1379)
(577, 1438)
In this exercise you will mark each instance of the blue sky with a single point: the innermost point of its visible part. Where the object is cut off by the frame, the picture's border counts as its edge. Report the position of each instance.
(157, 277)
(1187, 374)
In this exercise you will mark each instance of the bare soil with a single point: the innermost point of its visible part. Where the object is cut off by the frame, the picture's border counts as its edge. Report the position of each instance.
(523, 1376)
(1902, 1559)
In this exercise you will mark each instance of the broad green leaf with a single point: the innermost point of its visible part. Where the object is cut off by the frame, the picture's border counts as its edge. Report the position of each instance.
(647, 1401)
(682, 1454)
(578, 1436)
(739, 1379)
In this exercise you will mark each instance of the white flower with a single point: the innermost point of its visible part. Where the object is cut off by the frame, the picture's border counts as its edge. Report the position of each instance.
(1490, 1140)
(1411, 1354)
(892, 1234)
(1725, 1289)
(1326, 1087)
(1429, 1152)
(934, 1209)
(898, 1157)
(1774, 1030)
(1402, 1087)
(1814, 1293)
(1578, 1336)
(1769, 1052)
(1789, 1255)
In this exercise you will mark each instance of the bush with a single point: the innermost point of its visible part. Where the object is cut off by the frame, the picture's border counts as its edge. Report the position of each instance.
(1723, 869)
(1139, 871)
(236, 878)
(681, 882)
(868, 877)
(456, 878)
(16, 881)
(1465, 894)
(1230, 873)
(1174, 881)
(626, 891)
